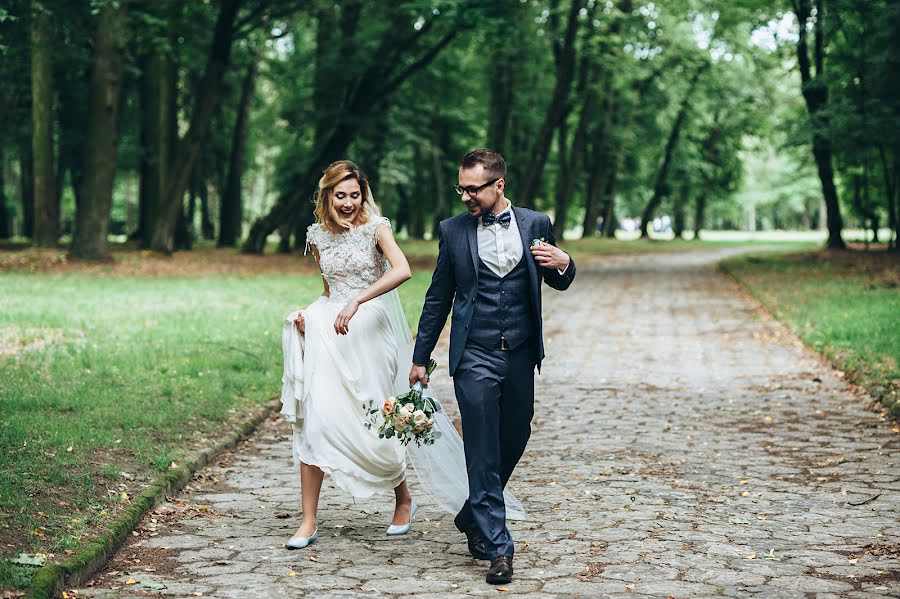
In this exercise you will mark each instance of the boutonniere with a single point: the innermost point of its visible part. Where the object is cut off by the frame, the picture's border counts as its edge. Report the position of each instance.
(536, 242)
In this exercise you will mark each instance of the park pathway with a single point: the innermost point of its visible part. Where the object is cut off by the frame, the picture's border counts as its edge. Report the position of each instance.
(684, 445)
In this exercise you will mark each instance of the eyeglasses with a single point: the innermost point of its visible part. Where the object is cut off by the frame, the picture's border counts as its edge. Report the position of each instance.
(473, 190)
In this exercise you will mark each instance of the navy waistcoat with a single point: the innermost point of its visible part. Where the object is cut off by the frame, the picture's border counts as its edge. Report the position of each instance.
(502, 307)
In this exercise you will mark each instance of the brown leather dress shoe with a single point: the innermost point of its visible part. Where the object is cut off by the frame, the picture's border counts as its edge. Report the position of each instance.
(501, 570)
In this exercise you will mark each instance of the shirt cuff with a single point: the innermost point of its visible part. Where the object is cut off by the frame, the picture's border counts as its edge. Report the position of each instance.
(563, 271)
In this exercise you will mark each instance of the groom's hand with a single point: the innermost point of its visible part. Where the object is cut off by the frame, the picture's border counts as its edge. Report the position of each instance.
(550, 256)
(418, 374)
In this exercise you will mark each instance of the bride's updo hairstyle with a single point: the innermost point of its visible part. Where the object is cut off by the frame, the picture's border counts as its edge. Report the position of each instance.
(338, 171)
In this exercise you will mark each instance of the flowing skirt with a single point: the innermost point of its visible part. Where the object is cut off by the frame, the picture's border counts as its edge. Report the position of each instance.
(329, 378)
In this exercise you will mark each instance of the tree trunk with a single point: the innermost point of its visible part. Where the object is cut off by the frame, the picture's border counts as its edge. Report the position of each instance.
(401, 220)
(699, 213)
(557, 109)
(575, 159)
(201, 190)
(46, 200)
(601, 143)
(564, 175)
(102, 135)
(158, 88)
(26, 185)
(678, 210)
(284, 236)
(609, 200)
(661, 186)
(891, 186)
(230, 212)
(591, 224)
(184, 227)
(189, 147)
(71, 117)
(440, 192)
(815, 93)
(5, 231)
(599, 168)
(500, 95)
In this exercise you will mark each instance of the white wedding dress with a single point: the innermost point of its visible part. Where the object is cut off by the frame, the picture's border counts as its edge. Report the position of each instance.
(328, 378)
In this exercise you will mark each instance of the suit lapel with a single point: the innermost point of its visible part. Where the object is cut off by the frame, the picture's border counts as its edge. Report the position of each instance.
(472, 236)
(524, 225)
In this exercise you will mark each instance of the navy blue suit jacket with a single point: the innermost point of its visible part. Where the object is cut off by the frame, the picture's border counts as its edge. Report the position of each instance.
(455, 283)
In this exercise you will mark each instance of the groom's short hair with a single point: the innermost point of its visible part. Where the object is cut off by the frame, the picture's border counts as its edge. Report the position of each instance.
(492, 162)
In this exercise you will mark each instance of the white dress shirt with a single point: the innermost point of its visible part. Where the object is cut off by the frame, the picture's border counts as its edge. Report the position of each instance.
(500, 248)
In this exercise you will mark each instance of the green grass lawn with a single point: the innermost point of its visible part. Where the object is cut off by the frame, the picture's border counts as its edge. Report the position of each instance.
(844, 304)
(105, 381)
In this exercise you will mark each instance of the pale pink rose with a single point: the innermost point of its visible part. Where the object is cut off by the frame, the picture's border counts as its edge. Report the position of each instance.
(388, 406)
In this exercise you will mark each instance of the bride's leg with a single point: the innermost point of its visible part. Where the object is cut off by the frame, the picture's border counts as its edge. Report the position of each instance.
(310, 485)
(403, 506)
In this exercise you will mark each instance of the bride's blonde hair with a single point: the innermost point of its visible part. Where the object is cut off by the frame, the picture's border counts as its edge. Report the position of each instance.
(338, 171)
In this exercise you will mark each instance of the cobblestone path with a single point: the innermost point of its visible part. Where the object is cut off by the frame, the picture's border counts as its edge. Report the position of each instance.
(684, 446)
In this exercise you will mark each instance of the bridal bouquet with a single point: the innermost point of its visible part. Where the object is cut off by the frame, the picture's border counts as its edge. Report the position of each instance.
(408, 416)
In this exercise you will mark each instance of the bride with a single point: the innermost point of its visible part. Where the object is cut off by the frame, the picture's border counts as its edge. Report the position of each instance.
(348, 347)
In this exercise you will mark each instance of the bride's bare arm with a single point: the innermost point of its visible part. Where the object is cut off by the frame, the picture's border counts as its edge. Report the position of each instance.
(399, 274)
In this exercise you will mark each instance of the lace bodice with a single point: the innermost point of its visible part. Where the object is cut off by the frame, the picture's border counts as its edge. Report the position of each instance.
(350, 262)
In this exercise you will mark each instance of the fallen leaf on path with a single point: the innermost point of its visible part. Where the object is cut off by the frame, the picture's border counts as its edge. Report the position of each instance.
(313, 558)
(153, 586)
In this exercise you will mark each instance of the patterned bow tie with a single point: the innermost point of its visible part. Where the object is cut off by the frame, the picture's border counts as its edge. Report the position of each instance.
(489, 218)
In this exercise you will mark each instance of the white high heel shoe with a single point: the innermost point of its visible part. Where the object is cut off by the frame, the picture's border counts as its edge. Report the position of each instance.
(301, 542)
(401, 529)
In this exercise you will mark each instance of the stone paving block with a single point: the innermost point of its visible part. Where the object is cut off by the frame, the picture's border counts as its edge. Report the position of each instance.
(810, 584)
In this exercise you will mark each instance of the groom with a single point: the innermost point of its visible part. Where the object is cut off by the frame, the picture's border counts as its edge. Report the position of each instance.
(489, 272)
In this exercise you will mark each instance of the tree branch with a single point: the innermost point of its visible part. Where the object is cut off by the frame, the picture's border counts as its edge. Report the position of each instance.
(420, 63)
(820, 38)
(802, 12)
